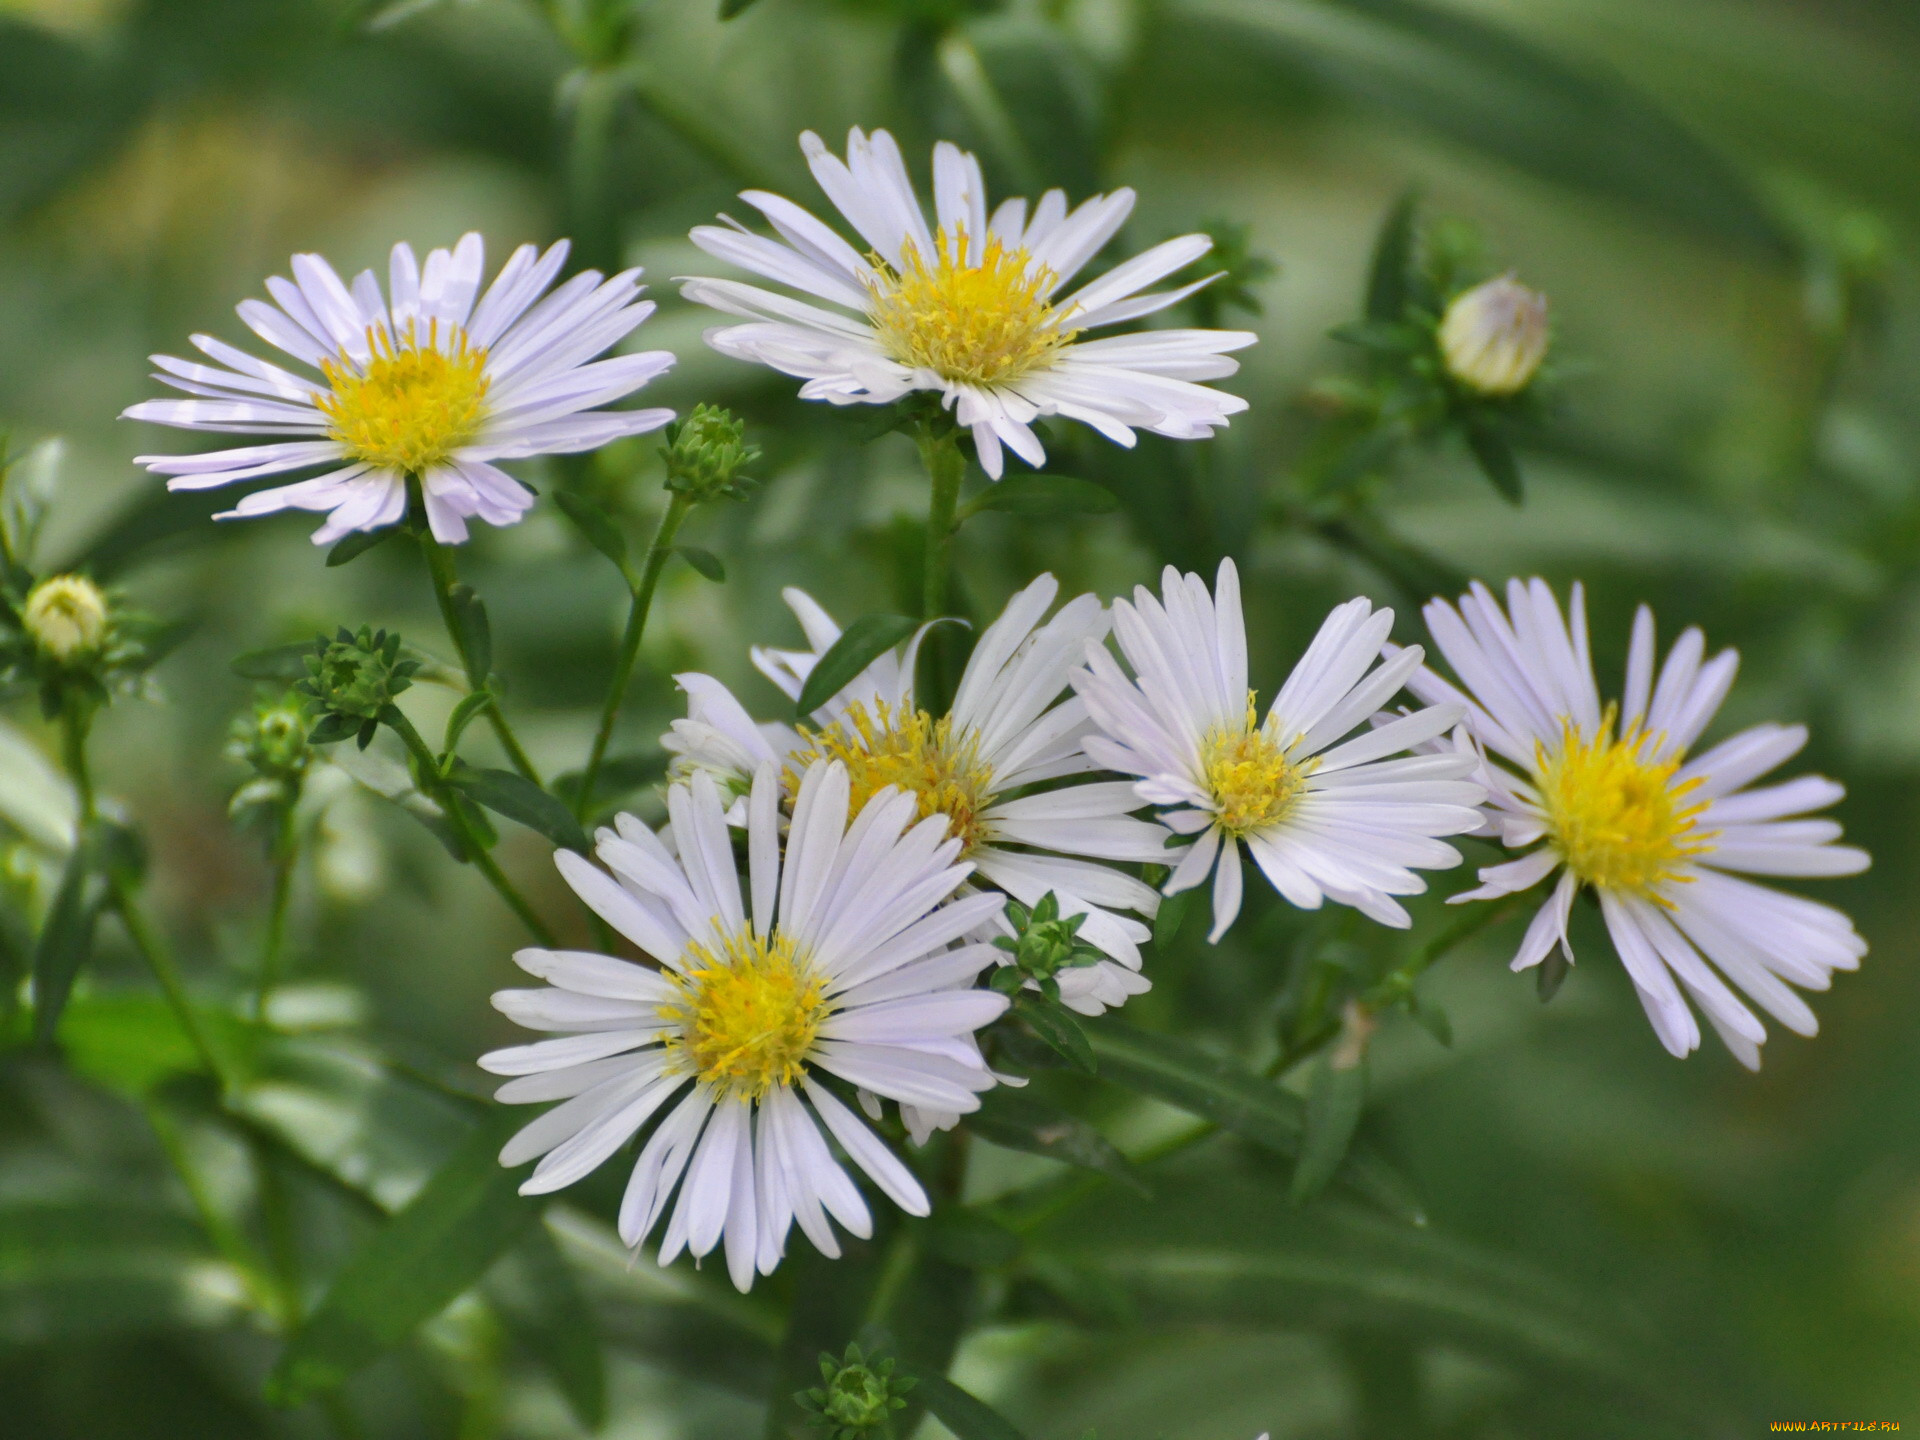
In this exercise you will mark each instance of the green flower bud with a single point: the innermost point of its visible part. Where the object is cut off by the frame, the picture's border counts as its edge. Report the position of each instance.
(66, 616)
(706, 452)
(356, 676)
(1494, 336)
(857, 1399)
(1042, 945)
(270, 738)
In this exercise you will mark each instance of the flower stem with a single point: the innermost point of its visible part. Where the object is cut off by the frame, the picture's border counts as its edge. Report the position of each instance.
(945, 465)
(286, 855)
(76, 720)
(159, 959)
(442, 795)
(440, 568)
(660, 547)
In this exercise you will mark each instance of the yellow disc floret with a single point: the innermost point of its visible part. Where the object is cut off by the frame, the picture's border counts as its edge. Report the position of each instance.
(985, 324)
(67, 616)
(1613, 810)
(747, 1016)
(1252, 782)
(912, 751)
(419, 399)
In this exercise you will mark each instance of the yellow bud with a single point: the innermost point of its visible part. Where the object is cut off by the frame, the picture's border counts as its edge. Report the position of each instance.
(1494, 336)
(67, 616)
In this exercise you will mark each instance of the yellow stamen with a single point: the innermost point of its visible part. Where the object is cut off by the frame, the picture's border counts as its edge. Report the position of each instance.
(1252, 782)
(1614, 812)
(748, 1016)
(417, 402)
(985, 324)
(910, 750)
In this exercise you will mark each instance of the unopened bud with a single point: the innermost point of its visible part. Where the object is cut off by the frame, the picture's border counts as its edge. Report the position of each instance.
(858, 1398)
(706, 452)
(1494, 336)
(67, 617)
(357, 676)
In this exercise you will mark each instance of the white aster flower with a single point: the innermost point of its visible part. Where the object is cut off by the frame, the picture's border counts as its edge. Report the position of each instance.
(1621, 809)
(838, 961)
(1009, 729)
(421, 381)
(971, 310)
(1344, 822)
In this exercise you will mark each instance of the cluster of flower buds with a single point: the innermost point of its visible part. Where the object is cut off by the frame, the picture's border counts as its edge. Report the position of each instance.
(859, 1398)
(705, 454)
(352, 680)
(1042, 945)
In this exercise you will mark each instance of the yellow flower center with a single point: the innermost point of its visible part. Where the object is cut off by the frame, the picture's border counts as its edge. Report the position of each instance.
(1614, 813)
(67, 616)
(747, 1016)
(912, 751)
(1252, 782)
(985, 324)
(417, 402)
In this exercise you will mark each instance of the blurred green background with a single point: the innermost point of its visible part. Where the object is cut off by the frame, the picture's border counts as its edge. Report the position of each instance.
(1720, 198)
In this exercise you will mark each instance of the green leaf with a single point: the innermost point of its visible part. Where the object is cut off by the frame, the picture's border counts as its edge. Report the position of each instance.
(470, 708)
(1020, 1121)
(1550, 975)
(1335, 1098)
(731, 8)
(277, 662)
(331, 729)
(1059, 1027)
(518, 798)
(1487, 88)
(1387, 276)
(1496, 458)
(475, 631)
(705, 561)
(1044, 495)
(1234, 1098)
(598, 527)
(1432, 1019)
(409, 1270)
(1171, 914)
(863, 642)
(66, 939)
(970, 1239)
(539, 1300)
(967, 1417)
(358, 543)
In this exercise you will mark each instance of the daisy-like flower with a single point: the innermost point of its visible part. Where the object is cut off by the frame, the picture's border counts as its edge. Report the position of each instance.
(972, 309)
(839, 960)
(1612, 800)
(1008, 731)
(1344, 822)
(421, 381)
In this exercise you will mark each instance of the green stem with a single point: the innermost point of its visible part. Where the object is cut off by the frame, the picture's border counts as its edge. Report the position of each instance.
(154, 951)
(596, 102)
(76, 721)
(440, 568)
(286, 854)
(657, 551)
(945, 464)
(279, 1307)
(442, 795)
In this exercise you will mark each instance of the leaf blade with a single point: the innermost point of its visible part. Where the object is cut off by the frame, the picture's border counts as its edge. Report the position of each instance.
(1016, 1120)
(519, 799)
(967, 1416)
(1044, 495)
(859, 645)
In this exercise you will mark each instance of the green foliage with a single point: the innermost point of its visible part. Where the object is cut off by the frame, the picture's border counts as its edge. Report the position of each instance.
(857, 1398)
(705, 454)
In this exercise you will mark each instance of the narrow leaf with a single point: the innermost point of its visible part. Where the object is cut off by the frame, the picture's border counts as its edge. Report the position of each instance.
(518, 798)
(1019, 1121)
(66, 940)
(1167, 921)
(278, 662)
(1335, 1097)
(410, 1269)
(705, 561)
(1551, 975)
(543, 1308)
(597, 526)
(1056, 1025)
(476, 633)
(358, 543)
(1387, 288)
(469, 709)
(967, 1417)
(863, 642)
(1496, 458)
(1045, 495)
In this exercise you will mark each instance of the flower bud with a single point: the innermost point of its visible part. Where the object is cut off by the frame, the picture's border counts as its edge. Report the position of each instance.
(67, 617)
(356, 676)
(1494, 336)
(705, 454)
(858, 1398)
